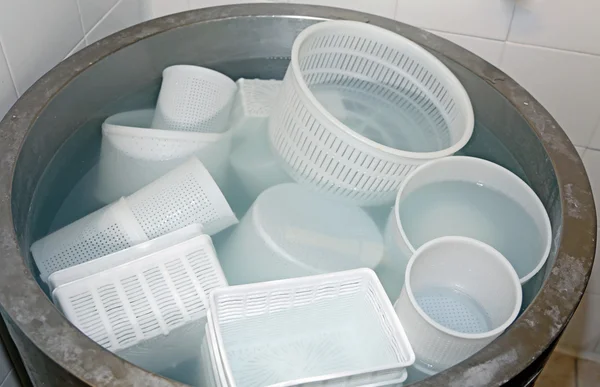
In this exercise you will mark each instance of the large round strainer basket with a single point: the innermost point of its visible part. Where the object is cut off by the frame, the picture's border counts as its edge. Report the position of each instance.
(361, 107)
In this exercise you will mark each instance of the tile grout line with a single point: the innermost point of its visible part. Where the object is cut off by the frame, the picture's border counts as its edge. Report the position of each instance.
(10, 70)
(512, 17)
(82, 27)
(103, 18)
(6, 377)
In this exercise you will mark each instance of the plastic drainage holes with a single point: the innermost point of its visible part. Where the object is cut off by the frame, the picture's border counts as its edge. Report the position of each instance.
(103, 232)
(332, 329)
(145, 298)
(106, 262)
(361, 107)
(132, 155)
(184, 196)
(194, 99)
(291, 231)
(459, 295)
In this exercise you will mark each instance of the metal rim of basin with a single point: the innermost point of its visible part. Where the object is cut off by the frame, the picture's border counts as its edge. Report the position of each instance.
(25, 304)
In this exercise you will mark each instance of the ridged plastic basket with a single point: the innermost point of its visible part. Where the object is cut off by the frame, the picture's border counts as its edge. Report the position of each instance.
(148, 297)
(194, 99)
(361, 107)
(186, 195)
(108, 230)
(132, 155)
(74, 273)
(336, 329)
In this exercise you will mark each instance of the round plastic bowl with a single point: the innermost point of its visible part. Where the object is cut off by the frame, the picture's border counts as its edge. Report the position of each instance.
(459, 295)
(469, 170)
(361, 107)
(292, 232)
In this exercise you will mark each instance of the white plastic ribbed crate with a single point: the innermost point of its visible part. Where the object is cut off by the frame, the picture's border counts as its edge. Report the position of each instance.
(333, 329)
(109, 261)
(145, 298)
(110, 229)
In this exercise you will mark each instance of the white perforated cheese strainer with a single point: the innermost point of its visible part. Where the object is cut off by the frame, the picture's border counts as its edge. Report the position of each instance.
(186, 195)
(110, 229)
(132, 155)
(361, 107)
(194, 99)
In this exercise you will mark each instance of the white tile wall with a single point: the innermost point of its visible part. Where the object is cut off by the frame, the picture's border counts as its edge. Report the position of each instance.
(482, 18)
(92, 11)
(122, 15)
(566, 83)
(488, 49)
(385, 8)
(569, 25)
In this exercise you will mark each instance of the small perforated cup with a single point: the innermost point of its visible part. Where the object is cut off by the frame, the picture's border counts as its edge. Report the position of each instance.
(459, 295)
(361, 107)
(194, 99)
(132, 155)
(110, 229)
(186, 195)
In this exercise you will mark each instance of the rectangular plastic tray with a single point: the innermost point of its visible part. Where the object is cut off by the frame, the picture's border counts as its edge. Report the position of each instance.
(332, 329)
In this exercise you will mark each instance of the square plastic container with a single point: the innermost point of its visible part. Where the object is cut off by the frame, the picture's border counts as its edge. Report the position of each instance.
(109, 261)
(148, 297)
(332, 329)
(110, 229)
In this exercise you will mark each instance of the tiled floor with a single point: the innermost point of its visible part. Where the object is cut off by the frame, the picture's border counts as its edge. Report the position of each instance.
(566, 371)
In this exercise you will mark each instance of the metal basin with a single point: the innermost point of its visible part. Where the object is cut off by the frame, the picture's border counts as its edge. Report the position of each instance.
(49, 138)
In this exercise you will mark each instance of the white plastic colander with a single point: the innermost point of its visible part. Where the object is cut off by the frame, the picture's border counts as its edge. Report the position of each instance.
(361, 107)
(110, 229)
(194, 99)
(186, 195)
(127, 305)
(333, 329)
(132, 155)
